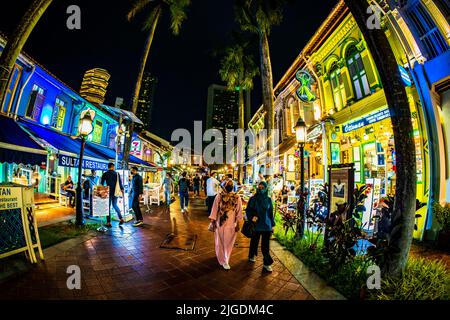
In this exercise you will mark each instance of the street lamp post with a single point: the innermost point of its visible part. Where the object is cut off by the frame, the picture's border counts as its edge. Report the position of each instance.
(84, 129)
(301, 134)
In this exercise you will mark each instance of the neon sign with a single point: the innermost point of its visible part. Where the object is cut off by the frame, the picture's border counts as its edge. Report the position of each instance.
(305, 93)
(367, 120)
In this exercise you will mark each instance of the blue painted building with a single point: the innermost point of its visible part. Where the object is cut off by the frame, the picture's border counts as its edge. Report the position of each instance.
(48, 110)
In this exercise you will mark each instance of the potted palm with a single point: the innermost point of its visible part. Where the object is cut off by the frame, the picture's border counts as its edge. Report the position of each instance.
(442, 214)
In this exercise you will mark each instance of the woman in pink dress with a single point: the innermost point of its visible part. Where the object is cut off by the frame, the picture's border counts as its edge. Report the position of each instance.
(226, 215)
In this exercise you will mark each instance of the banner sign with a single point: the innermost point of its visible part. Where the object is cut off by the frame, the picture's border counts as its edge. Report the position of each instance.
(136, 147)
(365, 121)
(10, 198)
(72, 162)
(100, 201)
(373, 197)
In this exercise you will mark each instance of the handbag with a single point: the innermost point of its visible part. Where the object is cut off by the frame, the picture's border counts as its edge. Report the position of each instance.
(118, 191)
(212, 227)
(248, 229)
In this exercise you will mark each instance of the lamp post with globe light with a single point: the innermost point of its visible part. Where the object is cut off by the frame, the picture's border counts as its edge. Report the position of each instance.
(301, 136)
(85, 128)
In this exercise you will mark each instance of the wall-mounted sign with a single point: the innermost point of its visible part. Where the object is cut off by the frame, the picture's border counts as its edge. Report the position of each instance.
(136, 147)
(315, 133)
(367, 120)
(305, 93)
(72, 162)
(405, 76)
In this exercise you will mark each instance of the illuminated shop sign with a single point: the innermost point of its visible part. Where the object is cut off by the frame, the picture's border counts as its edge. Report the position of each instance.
(365, 121)
(136, 147)
(405, 76)
(72, 162)
(305, 92)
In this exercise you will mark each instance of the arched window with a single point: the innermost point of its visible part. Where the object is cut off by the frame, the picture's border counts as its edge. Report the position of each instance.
(357, 73)
(337, 86)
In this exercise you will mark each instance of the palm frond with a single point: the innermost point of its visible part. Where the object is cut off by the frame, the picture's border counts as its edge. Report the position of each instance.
(178, 13)
(137, 6)
(151, 18)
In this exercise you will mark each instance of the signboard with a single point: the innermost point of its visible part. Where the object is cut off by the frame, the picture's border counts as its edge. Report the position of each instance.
(305, 92)
(367, 120)
(136, 147)
(341, 182)
(72, 162)
(100, 201)
(315, 133)
(373, 196)
(405, 76)
(10, 198)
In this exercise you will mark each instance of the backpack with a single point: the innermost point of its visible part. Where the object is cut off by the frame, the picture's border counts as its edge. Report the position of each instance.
(183, 185)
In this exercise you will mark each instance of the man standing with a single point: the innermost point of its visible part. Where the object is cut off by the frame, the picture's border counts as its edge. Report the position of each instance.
(112, 178)
(183, 191)
(205, 178)
(212, 187)
(136, 192)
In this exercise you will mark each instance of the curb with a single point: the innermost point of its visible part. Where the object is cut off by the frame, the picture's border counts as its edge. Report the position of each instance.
(315, 285)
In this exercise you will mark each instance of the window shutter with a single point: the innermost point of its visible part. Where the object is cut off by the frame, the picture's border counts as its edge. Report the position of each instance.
(369, 71)
(39, 103)
(348, 88)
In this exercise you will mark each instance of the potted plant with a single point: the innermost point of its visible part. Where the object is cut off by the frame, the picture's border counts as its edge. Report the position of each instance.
(442, 214)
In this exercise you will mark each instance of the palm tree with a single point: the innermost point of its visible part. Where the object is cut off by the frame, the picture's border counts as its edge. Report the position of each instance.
(259, 16)
(405, 190)
(238, 69)
(17, 40)
(153, 10)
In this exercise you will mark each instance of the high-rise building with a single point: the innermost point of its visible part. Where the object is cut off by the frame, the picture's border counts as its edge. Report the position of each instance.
(222, 110)
(146, 101)
(93, 87)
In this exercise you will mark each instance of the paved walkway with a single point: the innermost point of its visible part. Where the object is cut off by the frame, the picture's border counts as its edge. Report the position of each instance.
(127, 263)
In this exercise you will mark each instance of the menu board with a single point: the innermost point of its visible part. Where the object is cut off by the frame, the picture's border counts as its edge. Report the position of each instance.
(100, 201)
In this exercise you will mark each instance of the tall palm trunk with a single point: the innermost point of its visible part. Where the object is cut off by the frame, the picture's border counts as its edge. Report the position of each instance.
(267, 91)
(17, 40)
(405, 190)
(137, 87)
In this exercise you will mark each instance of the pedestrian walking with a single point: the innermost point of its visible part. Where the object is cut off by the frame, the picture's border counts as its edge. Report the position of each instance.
(183, 192)
(136, 192)
(197, 185)
(225, 217)
(260, 211)
(114, 182)
(168, 189)
(212, 188)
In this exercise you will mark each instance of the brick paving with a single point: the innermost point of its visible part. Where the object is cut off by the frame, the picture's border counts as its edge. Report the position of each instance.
(127, 263)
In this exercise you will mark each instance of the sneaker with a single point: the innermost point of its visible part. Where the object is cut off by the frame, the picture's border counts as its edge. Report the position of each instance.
(252, 259)
(226, 266)
(268, 268)
(108, 225)
(182, 210)
(138, 223)
(121, 222)
(185, 210)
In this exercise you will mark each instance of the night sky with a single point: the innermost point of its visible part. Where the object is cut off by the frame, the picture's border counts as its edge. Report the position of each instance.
(184, 64)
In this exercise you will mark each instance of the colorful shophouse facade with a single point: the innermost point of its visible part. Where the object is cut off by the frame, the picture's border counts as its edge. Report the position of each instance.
(347, 114)
(44, 108)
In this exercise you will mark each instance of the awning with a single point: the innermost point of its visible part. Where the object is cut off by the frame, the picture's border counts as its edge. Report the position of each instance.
(16, 146)
(60, 141)
(124, 113)
(71, 145)
(110, 154)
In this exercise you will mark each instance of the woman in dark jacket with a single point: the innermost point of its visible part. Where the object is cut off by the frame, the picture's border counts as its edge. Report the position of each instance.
(260, 211)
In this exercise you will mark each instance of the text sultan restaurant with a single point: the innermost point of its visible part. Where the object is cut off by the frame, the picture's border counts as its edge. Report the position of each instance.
(49, 156)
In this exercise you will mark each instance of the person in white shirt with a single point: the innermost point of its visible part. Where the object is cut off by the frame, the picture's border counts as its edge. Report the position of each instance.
(212, 188)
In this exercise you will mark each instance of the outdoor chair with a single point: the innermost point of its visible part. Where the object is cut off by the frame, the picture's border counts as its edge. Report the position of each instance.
(155, 195)
(63, 198)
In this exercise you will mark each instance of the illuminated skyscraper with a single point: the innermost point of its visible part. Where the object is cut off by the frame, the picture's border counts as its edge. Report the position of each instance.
(146, 101)
(93, 87)
(222, 110)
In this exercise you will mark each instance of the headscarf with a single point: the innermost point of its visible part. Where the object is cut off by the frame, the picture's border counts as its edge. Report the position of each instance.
(228, 202)
(262, 198)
